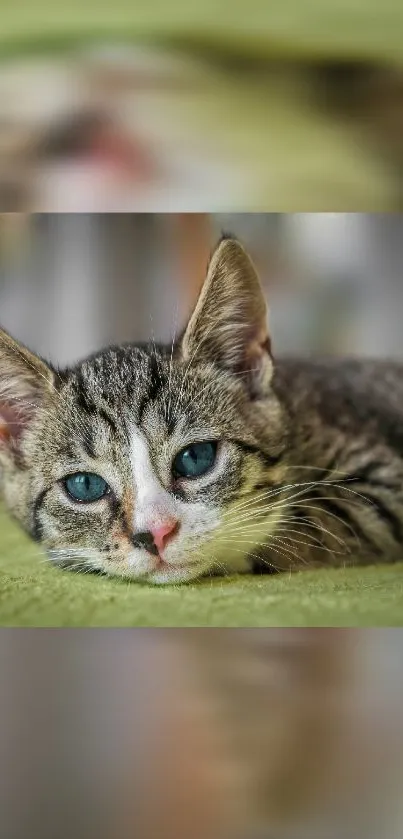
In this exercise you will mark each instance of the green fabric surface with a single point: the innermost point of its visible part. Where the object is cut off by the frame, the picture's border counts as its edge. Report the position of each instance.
(35, 593)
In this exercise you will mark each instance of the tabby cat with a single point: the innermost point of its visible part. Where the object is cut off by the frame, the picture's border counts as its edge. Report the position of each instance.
(164, 464)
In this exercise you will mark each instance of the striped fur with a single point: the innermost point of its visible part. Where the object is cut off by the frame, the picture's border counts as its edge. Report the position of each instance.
(310, 453)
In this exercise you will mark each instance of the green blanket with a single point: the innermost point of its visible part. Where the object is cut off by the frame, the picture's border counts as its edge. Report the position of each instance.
(34, 593)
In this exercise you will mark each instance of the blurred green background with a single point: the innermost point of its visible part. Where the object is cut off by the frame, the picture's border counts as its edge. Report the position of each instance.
(245, 106)
(356, 29)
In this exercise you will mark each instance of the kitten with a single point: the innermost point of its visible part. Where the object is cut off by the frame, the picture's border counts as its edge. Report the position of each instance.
(164, 464)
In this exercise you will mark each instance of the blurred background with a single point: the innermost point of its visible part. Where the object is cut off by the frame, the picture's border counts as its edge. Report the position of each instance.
(71, 284)
(209, 734)
(187, 106)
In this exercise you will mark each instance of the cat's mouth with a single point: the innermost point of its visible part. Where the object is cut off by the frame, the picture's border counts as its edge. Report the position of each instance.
(172, 572)
(157, 569)
(163, 563)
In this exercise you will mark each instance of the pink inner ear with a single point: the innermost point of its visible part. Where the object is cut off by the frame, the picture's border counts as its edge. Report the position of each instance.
(258, 347)
(4, 431)
(12, 422)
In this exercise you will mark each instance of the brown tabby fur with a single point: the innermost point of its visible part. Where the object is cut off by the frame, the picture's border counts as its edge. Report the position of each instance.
(309, 466)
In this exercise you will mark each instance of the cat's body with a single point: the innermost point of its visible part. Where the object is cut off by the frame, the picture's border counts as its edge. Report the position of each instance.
(346, 432)
(164, 464)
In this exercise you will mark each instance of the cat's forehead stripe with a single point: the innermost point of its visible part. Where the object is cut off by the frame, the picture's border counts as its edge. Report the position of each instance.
(130, 378)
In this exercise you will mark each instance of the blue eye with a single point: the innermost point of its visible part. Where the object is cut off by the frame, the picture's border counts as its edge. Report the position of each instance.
(195, 460)
(86, 487)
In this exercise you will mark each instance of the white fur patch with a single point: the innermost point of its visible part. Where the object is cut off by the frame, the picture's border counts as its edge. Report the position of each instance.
(153, 503)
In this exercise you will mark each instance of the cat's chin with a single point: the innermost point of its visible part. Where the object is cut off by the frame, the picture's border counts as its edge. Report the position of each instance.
(166, 574)
(156, 571)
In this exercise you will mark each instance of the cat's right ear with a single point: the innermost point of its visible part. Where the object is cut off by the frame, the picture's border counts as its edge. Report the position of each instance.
(229, 324)
(25, 383)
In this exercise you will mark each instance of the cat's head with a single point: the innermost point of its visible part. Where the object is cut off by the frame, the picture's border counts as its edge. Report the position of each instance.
(143, 461)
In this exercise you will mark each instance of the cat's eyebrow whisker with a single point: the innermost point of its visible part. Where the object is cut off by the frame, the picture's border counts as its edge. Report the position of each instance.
(182, 387)
(200, 393)
(208, 386)
(168, 407)
(156, 355)
(191, 360)
(184, 379)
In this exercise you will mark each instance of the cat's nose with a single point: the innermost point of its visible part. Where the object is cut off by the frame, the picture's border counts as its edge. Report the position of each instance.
(163, 533)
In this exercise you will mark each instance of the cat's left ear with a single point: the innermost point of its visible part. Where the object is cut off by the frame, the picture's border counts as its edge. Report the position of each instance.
(25, 383)
(229, 324)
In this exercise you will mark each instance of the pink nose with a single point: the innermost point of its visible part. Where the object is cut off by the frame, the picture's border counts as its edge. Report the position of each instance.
(162, 533)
